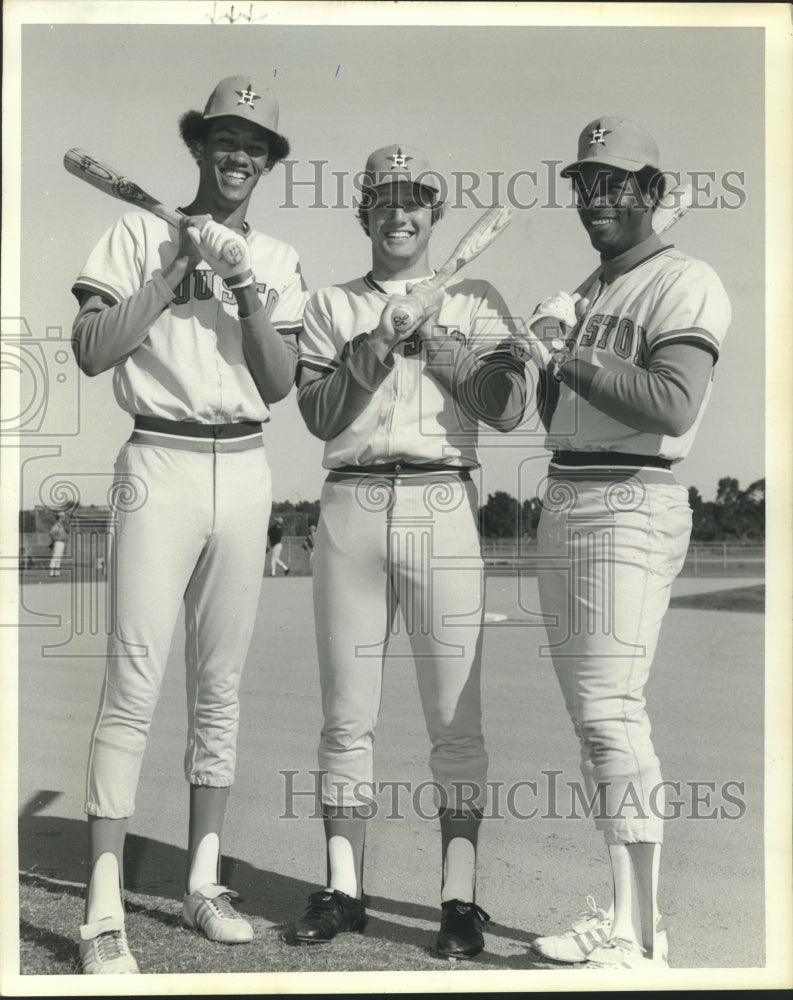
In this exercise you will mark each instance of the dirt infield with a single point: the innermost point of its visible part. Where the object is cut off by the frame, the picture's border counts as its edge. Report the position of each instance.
(539, 857)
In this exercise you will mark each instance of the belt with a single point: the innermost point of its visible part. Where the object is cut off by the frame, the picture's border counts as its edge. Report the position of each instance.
(609, 458)
(188, 435)
(397, 470)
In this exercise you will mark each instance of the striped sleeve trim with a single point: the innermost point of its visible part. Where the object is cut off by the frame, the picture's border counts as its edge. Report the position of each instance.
(96, 288)
(289, 326)
(317, 364)
(695, 336)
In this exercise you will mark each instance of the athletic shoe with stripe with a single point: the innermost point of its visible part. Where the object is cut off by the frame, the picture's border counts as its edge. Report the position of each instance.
(104, 949)
(591, 929)
(622, 953)
(209, 910)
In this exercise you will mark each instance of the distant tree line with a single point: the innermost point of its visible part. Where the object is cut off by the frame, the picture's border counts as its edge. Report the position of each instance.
(735, 515)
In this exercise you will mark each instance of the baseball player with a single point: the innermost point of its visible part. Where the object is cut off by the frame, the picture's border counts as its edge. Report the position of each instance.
(275, 541)
(59, 532)
(622, 402)
(309, 543)
(399, 409)
(199, 349)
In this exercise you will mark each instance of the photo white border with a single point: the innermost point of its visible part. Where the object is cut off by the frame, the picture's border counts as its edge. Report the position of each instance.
(776, 19)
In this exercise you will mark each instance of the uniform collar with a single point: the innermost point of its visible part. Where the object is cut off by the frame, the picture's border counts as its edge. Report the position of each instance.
(643, 251)
(244, 230)
(372, 283)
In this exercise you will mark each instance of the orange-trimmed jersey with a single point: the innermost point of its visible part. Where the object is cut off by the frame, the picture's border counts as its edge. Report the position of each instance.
(667, 298)
(411, 416)
(191, 364)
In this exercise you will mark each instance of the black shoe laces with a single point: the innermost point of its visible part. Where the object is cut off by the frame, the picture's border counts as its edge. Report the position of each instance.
(455, 905)
(324, 902)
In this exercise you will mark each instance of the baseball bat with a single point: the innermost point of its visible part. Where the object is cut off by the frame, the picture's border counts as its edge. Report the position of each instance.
(490, 224)
(112, 182)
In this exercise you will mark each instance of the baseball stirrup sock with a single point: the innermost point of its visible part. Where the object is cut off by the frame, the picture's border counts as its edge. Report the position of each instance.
(345, 834)
(459, 837)
(207, 811)
(106, 838)
(646, 862)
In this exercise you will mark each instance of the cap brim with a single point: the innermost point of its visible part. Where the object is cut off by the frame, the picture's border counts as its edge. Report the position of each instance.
(402, 180)
(606, 161)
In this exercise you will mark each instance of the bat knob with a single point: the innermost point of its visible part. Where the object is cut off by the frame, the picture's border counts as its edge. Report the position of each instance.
(233, 251)
(401, 320)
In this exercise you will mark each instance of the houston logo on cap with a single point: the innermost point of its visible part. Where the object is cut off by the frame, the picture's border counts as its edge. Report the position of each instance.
(247, 96)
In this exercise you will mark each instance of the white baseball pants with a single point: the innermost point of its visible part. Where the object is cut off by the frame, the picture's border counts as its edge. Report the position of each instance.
(400, 544)
(191, 528)
(609, 552)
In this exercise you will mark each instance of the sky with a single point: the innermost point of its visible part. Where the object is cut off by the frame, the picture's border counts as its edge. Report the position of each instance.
(489, 103)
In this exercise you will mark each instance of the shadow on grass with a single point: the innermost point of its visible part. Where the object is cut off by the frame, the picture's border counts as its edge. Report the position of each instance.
(60, 948)
(52, 856)
(748, 599)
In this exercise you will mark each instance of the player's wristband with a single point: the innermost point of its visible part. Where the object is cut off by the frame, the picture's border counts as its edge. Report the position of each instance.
(239, 280)
(559, 355)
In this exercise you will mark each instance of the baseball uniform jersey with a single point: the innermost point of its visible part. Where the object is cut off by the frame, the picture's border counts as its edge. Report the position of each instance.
(191, 365)
(410, 417)
(663, 298)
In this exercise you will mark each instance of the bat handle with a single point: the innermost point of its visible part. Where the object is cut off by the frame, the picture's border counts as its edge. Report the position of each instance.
(401, 320)
(234, 250)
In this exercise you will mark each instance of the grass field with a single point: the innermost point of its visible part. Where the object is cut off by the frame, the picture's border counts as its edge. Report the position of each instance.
(750, 599)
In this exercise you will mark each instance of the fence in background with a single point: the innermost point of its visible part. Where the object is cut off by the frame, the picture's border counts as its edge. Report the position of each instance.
(702, 559)
(86, 547)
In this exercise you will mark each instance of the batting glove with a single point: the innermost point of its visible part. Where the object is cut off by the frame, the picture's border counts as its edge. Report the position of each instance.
(560, 307)
(424, 300)
(226, 252)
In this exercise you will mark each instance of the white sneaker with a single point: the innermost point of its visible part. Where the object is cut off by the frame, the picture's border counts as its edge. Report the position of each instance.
(622, 953)
(590, 930)
(209, 910)
(104, 949)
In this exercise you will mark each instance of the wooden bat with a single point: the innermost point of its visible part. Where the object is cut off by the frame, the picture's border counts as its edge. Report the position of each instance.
(109, 180)
(490, 224)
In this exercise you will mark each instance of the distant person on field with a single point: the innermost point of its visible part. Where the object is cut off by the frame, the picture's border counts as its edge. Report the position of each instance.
(59, 533)
(275, 542)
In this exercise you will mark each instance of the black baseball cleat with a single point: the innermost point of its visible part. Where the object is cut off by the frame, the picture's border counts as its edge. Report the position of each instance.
(330, 912)
(461, 935)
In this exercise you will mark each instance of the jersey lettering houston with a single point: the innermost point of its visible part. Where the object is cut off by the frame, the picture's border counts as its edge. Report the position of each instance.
(667, 299)
(191, 365)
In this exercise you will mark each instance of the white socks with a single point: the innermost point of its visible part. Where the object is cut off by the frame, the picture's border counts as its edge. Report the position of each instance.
(459, 867)
(343, 877)
(635, 871)
(204, 868)
(104, 890)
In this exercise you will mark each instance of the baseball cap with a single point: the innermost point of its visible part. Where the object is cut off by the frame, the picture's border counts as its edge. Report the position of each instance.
(615, 142)
(400, 162)
(243, 97)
